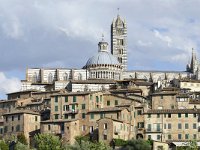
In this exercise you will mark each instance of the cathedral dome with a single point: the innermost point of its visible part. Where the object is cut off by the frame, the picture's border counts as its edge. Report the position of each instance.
(101, 58)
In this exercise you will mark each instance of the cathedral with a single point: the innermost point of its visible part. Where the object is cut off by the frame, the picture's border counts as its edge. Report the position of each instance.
(102, 69)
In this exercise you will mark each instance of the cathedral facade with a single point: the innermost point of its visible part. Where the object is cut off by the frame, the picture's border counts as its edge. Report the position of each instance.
(103, 68)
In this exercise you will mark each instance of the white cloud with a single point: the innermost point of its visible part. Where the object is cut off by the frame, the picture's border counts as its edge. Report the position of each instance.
(8, 85)
(163, 38)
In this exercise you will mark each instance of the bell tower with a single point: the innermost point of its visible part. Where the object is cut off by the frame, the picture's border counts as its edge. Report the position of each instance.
(118, 41)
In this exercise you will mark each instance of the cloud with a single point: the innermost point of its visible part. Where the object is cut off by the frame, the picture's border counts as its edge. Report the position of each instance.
(8, 85)
(66, 33)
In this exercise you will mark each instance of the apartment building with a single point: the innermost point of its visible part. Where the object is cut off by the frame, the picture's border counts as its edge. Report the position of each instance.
(172, 124)
(21, 121)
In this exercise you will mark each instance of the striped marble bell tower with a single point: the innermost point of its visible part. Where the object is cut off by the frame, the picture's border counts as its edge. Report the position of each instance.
(118, 41)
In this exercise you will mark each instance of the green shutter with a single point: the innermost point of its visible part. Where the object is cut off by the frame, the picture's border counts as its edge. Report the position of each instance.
(91, 116)
(66, 98)
(73, 106)
(56, 108)
(74, 98)
(56, 99)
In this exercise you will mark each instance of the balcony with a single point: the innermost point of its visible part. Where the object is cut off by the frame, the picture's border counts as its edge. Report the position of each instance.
(153, 130)
(71, 111)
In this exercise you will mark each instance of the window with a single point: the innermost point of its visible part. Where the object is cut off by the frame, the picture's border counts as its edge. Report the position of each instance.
(149, 137)
(91, 97)
(179, 136)
(49, 127)
(165, 126)
(91, 116)
(194, 125)
(194, 115)
(56, 99)
(56, 116)
(149, 116)
(18, 128)
(66, 98)
(50, 78)
(179, 115)
(169, 115)
(158, 115)
(101, 115)
(161, 97)
(56, 108)
(194, 136)
(179, 126)
(83, 106)
(101, 98)
(105, 137)
(186, 126)
(74, 98)
(18, 117)
(73, 106)
(66, 116)
(65, 107)
(83, 115)
(140, 124)
(97, 99)
(158, 127)
(12, 128)
(5, 129)
(108, 103)
(186, 136)
(36, 118)
(13, 118)
(186, 115)
(149, 127)
(73, 116)
(116, 102)
(105, 126)
(83, 128)
(91, 129)
(139, 112)
(158, 137)
(169, 136)
(169, 125)
(6, 118)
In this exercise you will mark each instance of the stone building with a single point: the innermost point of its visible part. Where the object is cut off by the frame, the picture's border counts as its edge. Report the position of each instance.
(172, 124)
(21, 121)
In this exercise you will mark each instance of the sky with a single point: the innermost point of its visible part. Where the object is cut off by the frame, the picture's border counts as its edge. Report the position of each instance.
(65, 33)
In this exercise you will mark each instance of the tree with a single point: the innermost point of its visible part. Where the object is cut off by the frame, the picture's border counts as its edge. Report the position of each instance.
(3, 145)
(83, 143)
(137, 145)
(47, 142)
(22, 139)
(21, 146)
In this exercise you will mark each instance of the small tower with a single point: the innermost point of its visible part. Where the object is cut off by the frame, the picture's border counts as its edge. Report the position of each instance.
(118, 41)
(103, 46)
(194, 62)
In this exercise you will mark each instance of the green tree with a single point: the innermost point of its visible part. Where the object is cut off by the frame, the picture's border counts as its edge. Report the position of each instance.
(21, 146)
(3, 145)
(47, 142)
(22, 139)
(137, 145)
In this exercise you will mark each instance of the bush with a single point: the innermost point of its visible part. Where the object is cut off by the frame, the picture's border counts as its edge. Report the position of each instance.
(3, 145)
(120, 142)
(47, 142)
(22, 139)
(137, 145)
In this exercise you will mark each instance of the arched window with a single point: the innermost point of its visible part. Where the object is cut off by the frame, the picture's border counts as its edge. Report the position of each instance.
(50, 78)
(34, 78)
(80, 76)
(65, 76)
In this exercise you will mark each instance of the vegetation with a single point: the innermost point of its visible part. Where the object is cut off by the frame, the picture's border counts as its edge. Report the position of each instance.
(3, 145)
(21, 146)
(47, 142)
(137, 145)
(22, 139)
(120, 142)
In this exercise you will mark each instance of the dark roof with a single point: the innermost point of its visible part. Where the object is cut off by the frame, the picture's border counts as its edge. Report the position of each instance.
(75, 93)
(93, 81)
(172, 111)
(18, 92)
(165, 93)
(161, 71)
(22, 112)
(59, 121)
(109, 109)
